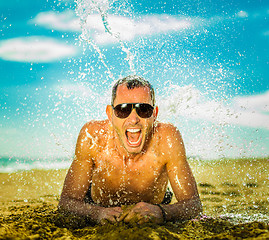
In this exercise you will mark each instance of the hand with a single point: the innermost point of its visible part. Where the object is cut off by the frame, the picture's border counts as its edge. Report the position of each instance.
(142, 213)
(109, 215)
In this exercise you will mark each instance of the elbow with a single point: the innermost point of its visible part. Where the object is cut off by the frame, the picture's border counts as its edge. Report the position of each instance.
(63, 203)
(193, 208)
(197, 208)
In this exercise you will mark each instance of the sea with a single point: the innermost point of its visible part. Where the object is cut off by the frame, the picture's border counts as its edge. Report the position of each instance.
(15, 164)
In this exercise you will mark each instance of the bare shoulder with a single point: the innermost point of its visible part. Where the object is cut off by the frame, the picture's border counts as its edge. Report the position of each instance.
(167, 130)
(94, 128)
(92, 135)
(170, 140)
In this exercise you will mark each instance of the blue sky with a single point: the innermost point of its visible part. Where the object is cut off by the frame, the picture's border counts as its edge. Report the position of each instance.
(208, 61)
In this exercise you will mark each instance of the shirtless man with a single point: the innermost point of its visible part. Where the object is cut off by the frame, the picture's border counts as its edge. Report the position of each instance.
(128, 159)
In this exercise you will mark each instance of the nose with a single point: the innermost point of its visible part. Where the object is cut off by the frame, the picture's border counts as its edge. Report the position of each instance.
(133, 117)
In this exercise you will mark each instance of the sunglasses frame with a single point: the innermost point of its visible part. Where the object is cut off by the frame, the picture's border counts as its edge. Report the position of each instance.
(137, 109)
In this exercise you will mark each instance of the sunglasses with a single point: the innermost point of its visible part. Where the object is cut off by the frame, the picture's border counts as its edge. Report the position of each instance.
(144, 110)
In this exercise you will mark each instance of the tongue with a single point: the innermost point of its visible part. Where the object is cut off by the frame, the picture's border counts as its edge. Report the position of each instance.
(133, 137)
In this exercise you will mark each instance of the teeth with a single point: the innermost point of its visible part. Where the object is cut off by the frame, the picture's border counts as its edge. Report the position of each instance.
(133, 130)
(134, 143)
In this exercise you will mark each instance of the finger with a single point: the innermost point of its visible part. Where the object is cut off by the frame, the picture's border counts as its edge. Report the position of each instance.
(117, 216)
(107, 220)
(112, 219)
(133, 217)
(145, 219)
(117, 212)
(123, 215)
(130, 215)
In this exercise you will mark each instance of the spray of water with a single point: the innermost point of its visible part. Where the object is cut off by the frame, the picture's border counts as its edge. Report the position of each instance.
(85, 9)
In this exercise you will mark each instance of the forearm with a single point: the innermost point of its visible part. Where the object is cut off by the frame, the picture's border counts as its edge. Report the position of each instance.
(80, 208)
(182, 210)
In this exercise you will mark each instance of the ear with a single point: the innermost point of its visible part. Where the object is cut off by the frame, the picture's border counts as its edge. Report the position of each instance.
(155, 113)
(109, 112)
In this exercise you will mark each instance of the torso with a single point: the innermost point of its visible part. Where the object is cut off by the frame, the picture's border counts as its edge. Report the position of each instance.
(118, 181)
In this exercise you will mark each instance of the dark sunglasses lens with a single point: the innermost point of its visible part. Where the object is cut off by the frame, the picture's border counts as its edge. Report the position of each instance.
(123, 110)
(144, 110)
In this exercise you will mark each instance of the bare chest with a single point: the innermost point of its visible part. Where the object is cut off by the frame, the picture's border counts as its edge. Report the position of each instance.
(116, 171)
(126, 179)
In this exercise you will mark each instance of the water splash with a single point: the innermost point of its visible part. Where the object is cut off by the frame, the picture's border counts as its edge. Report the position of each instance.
(84, 10)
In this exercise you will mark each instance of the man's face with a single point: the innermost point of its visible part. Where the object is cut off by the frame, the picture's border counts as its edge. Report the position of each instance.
(133, 132)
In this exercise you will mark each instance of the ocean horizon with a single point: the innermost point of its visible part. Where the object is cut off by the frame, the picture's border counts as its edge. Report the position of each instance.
(14, 164)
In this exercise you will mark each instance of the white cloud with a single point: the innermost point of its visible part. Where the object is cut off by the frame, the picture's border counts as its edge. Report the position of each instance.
(258, 103)
(64, 21)
(34, 49)
(243, 111)
(256, 14)
(242, 14)
(125, 28)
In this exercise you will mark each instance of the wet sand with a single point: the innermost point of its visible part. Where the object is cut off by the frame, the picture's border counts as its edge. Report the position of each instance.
(234, 194)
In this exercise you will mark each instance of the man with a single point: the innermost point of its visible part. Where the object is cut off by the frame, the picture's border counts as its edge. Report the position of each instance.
(127, 160)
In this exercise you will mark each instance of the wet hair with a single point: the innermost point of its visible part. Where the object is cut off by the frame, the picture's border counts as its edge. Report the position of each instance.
(133, 81)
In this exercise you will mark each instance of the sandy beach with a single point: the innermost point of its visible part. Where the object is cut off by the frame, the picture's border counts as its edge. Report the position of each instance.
(234, 194)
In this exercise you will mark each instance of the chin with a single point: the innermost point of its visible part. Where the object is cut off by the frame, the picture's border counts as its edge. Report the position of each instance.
(134, 150)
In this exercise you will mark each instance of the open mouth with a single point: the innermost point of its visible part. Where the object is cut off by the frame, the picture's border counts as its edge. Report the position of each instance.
(134, 136)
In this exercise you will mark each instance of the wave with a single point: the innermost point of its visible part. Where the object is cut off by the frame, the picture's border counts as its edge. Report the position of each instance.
(13, 164)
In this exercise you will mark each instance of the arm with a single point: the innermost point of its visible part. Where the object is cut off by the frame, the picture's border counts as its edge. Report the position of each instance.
(182, 181)
(78, 180)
